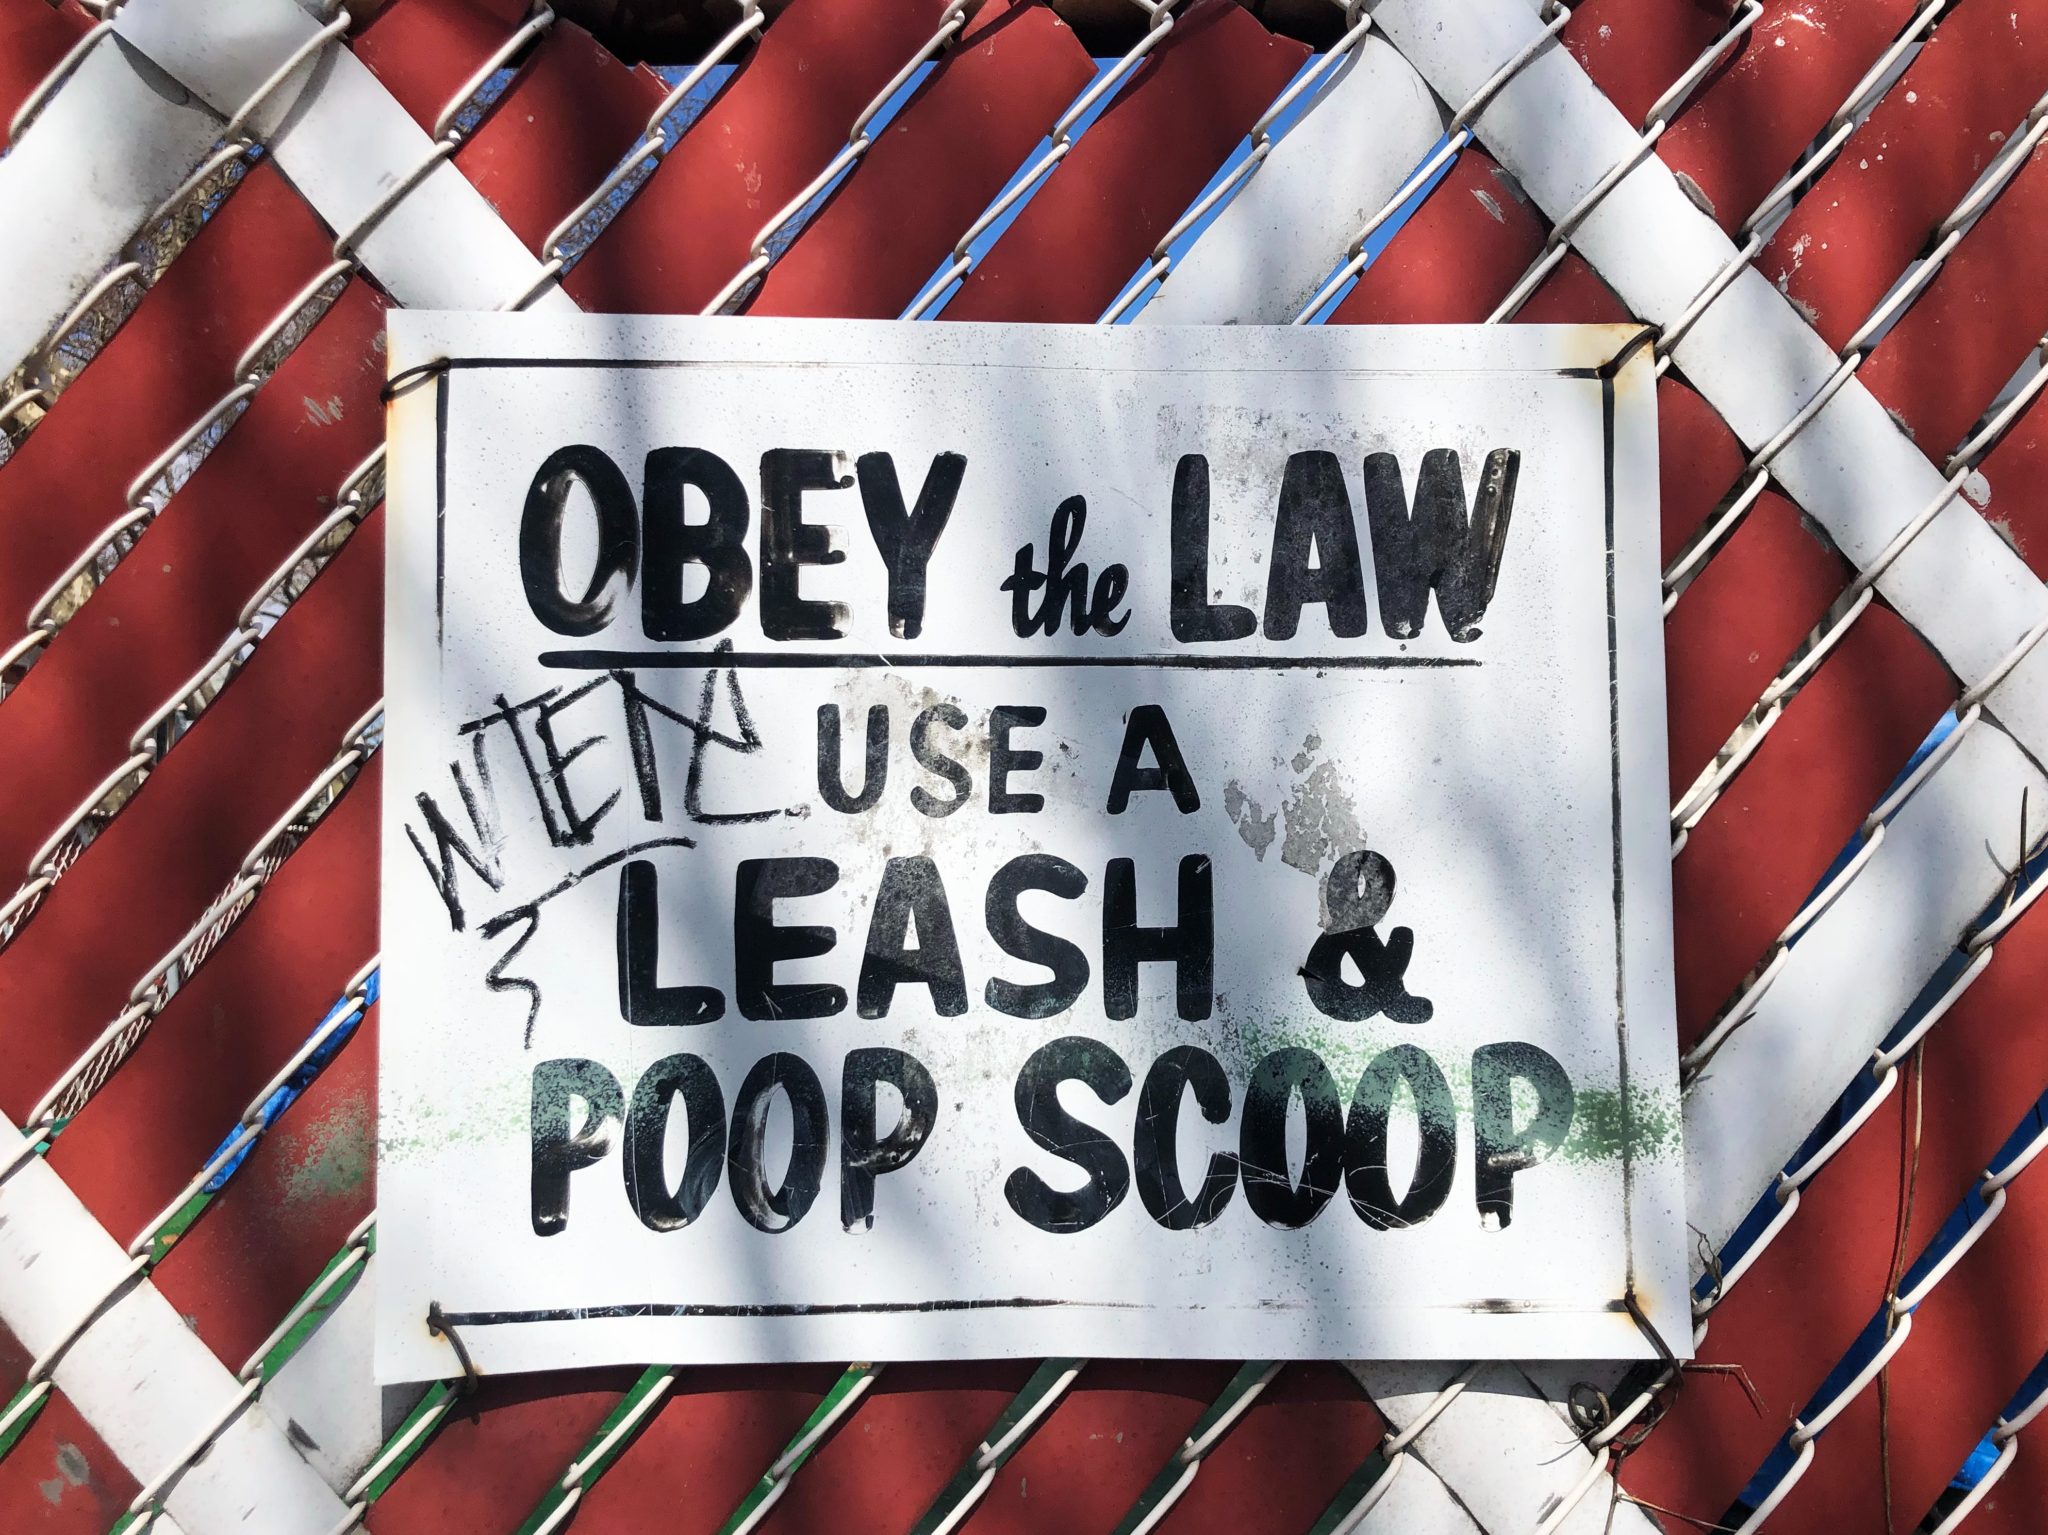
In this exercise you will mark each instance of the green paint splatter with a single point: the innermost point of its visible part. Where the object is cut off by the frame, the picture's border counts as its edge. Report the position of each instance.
(1604, 1127)
(333, 1155)
(485, 1114)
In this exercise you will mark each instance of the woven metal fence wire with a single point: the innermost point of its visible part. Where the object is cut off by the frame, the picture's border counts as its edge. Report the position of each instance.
(1830, 218)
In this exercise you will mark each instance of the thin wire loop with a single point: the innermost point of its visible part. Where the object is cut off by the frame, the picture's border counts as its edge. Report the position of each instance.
(341, 23)
(355, 1253)
(1262, 142)
(572, 1479)
(542, 18)
(252, 354)
(1666, 106)
(345, 243)
(1457, 134)
(46, 1362)
(1161, 20)
(857, 144)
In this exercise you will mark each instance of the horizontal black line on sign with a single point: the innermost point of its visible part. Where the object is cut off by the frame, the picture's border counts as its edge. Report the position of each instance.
(707, 1309)
(826, 660)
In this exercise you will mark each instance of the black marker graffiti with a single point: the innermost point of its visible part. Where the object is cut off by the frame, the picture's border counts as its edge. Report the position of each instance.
(529, 726)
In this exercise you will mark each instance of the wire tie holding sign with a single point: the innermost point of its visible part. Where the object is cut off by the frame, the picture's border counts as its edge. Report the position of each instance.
(405, 378)
(1600, 1425)
(1065, 130)
(439, 1325)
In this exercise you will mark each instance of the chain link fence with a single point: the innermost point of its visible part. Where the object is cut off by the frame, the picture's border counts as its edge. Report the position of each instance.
(1827, 215)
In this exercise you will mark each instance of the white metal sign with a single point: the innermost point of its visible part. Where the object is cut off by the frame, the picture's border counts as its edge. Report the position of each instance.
(944, 840)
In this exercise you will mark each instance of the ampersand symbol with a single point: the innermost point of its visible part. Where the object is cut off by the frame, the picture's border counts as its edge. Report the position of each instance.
(1357, 893)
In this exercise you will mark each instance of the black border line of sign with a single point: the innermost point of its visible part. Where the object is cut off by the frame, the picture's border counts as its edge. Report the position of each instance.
(1603, 375)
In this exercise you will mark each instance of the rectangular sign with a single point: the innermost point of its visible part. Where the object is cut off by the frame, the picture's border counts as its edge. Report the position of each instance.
(914, 841)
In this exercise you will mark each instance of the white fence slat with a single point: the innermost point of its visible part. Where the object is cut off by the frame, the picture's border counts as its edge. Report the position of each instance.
(1510, 1455)
(110, 145)
(325, 1396)
(1852, 976)
(1417, 1503)
(139, 1375)
(1857, 473)
(1750, 354)
(1288, 225)
(345, 143)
